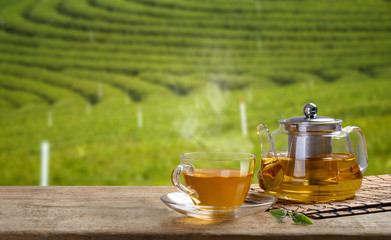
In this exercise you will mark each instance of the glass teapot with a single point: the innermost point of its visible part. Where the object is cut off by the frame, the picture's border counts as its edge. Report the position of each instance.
(311, 158)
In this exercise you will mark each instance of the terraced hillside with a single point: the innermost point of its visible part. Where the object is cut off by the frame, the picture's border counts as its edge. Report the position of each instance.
(121, 88)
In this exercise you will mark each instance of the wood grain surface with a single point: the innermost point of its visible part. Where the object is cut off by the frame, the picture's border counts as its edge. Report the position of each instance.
(137, 213)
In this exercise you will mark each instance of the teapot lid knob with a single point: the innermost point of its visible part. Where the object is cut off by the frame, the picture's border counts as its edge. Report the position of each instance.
(310, 110)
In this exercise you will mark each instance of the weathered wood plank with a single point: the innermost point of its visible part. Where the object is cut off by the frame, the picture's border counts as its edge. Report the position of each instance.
(137, 213)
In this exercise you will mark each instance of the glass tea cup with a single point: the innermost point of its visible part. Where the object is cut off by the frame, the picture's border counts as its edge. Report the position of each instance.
(216, 180)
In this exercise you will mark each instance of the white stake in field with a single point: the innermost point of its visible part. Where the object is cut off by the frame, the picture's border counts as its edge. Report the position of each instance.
(91, 36)
(127, 101)
(258, 6)
(140, 117)
(88, 108)
(45, 148)
(100, 92)
(243, 118)
(259, 43)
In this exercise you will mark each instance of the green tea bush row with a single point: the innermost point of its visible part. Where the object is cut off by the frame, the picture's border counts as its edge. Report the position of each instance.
(27, 46)
(241, 24)
(14, 22)
(266, 34)
(382, 72)
(87, 89)
(17, 24)
(340, 74)
(83, 35)
(137, 89)
(225, 7)
(56, 64)
(134, 63)
(225, 81)
(48, 92)
(5, 3)
(5, 105)
(191, 56)
(119, 62)
(249, 7)
(130, 68)
(45, 12)
(20, 98)
(20, 40)
(236, 67)
(265, 44)
(287, 77)
(275, 19)
(154, 59)
(180, 85)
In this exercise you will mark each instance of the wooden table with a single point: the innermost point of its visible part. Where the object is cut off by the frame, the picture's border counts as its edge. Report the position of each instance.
(138, 213)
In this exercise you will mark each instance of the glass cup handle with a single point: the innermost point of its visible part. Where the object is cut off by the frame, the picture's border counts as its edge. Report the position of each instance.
(361, 146)
(176, 181)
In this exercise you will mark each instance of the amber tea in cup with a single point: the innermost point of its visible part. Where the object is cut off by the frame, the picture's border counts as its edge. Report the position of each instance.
(215, 179)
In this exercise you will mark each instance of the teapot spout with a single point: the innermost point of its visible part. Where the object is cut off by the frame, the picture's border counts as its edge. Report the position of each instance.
(271, 173)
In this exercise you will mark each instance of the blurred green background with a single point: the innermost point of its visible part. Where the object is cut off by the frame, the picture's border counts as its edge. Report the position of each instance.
(121, 88)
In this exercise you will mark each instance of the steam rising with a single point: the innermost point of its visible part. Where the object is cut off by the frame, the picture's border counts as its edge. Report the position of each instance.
(202, 117)
(206, 121)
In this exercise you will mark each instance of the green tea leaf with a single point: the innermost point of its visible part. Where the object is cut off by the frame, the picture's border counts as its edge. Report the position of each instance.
(301, 219)
(278, 214)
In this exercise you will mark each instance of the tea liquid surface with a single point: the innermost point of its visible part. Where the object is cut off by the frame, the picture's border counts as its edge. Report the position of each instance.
(219, 187)
(336, 177)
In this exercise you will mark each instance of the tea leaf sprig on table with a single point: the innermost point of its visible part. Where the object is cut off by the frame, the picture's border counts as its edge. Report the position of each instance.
(300, 219)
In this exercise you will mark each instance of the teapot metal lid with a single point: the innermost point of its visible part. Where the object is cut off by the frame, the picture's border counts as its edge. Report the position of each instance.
(310, 122)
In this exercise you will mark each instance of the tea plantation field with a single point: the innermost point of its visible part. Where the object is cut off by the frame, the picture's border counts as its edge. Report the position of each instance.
(121, 88)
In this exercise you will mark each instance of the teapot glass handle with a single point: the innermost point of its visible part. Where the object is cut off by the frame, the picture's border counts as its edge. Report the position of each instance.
(361, 146)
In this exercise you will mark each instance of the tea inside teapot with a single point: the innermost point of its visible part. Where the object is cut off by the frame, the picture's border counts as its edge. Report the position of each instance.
(311, 159)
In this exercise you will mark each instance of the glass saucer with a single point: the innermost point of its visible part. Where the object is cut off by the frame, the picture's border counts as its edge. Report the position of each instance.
(254, 203)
